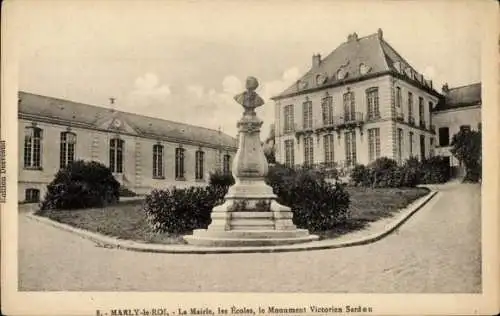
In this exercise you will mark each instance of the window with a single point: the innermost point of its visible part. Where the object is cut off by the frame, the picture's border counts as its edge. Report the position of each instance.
(179, 163)
(411, 144)
(116, 155)
(444, 136)
(350, 148)
(328, 148)
(307, 114)
(399, 98)
(421, 113)
(372, 102)
(289, 153)
(67, 149)
(327, 107)
(374, 143)
(465, 128)
(308, 151)
(227, 164)
(422, 147)
(158, 161)
(33, 147)
(400, 145)
(32, 195)
(200, 161)
(430, 107)
(410, 106)
(349, 107)
(289, 118)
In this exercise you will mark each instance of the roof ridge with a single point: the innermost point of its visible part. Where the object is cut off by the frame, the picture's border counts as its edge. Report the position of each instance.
(121, 112)
(465, 85)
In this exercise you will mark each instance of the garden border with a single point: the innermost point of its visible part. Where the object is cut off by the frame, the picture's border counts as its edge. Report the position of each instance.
(116, 243)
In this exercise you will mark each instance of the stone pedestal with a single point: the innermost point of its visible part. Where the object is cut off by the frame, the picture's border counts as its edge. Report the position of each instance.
(250, 215)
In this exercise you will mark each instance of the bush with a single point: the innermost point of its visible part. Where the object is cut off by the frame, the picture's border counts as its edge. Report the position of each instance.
(221, 179)
(81, 184)
(435, 170)
(181, 210)
(360, 175)
(384, 172)
(316, 204)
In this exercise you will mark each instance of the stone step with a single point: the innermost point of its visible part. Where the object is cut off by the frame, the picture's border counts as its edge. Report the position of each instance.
(246, 242)
(265, 233)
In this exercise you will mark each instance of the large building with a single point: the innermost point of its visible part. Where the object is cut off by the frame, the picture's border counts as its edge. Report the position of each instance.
(142, 152)
(363, 101)
(459, 108)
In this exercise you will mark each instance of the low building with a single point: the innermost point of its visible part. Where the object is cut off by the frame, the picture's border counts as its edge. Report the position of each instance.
(459, 108)
(142, 152)
(363, 101)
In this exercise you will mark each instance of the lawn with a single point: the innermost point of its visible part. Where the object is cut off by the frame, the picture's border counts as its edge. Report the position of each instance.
(127, 221)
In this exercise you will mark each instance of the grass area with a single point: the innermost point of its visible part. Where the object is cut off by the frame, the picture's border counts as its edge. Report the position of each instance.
(369, 205)
(127, 221)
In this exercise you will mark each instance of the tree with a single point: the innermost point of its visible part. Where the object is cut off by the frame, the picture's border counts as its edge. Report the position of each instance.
(466, 147)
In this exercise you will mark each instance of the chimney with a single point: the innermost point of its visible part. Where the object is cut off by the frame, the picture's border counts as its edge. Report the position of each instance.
(445, 88)
(380, 33)
(354, 36)
(316, 60)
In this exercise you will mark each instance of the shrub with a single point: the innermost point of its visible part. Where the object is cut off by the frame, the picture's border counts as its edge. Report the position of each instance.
(181, 210)
(360, 175)
(221, 179)
(81, 184)
(316, 204)
(409, 173)
(434, 170)
(466, 146)
(383, 173)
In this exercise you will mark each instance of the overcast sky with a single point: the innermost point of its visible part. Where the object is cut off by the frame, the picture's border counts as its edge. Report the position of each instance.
(185, 61)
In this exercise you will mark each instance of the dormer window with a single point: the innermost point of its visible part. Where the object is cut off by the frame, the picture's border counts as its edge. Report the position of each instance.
(397, 66)
(341, 74)
(364, 69)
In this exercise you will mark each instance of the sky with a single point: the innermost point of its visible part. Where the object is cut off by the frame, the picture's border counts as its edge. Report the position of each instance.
(185, 61)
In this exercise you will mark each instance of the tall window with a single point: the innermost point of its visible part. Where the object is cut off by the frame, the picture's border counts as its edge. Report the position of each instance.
(67, 149)
(421, 113)
(422, 147)
(430, 107)
(116, 155)
(289, 153)
(307, 114)
(33, 147)
(179, 163)
(399, 97)
(350, 148)
(226, 164)
(411, 144)
(289, 118)
(308, 151)
(200, 161)
(327, 107)
(349, 106)
(410, 106)
(374, 143)
(158, 161)
(444, 136)
(372, 102)
(400, 145)
(328, 146)
(32, 195)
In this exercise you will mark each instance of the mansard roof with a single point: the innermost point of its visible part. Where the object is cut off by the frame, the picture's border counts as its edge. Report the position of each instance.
(459, 97)
(354, 60)
(90, 116)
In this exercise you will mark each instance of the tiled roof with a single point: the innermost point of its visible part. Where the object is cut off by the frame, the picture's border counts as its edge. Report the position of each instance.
(92, 116)
(459, 97)
(370, 53)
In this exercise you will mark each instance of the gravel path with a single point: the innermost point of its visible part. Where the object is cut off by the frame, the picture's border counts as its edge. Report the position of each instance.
(437, 250)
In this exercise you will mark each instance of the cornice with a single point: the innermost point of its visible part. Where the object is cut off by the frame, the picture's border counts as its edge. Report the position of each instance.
(65, 123)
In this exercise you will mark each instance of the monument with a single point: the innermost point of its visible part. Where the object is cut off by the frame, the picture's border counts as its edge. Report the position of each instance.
(250, 215)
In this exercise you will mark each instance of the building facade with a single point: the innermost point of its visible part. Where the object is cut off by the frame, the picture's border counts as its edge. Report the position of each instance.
(363, 101)
(142, 152)
(459, 108)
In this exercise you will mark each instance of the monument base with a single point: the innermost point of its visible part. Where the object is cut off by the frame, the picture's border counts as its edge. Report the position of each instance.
(250, 222)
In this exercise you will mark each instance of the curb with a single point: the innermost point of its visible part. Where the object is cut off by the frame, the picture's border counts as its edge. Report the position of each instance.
(116, 243)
